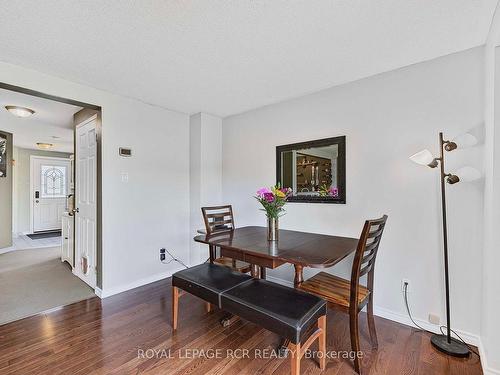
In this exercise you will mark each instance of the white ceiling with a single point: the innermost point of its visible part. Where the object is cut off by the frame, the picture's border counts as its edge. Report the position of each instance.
(225, 57)
(51, 119)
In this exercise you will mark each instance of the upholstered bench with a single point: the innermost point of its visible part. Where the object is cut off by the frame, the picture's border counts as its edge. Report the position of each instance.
(206, 281)
(285, 311)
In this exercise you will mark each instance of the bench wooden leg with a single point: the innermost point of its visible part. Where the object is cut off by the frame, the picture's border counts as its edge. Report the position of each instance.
(295, 358)
(298, 350)
(175, 306)
(208, 307)
(322, 342)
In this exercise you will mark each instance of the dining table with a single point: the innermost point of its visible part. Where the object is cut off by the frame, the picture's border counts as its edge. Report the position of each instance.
(301, 249)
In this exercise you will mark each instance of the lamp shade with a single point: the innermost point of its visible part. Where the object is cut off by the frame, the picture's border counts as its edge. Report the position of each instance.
(465, 140)
(468, 174)
(423, 157)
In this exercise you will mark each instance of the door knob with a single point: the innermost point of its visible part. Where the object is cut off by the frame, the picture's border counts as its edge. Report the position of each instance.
(37, 201)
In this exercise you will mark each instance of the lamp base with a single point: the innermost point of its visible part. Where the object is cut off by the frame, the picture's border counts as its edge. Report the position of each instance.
(455, 347)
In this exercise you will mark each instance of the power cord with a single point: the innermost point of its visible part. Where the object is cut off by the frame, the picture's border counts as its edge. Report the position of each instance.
(174, 259)
(440, 327)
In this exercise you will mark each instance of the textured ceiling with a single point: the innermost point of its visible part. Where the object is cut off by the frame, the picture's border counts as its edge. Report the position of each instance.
(51, 123)
(225, 57)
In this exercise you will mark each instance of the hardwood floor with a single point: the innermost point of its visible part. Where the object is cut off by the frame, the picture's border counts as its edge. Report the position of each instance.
(130, 333)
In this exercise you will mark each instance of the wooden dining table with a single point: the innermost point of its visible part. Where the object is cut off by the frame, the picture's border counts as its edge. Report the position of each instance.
(302, 249)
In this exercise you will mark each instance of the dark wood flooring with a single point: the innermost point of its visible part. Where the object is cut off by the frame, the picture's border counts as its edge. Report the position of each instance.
(113, 336)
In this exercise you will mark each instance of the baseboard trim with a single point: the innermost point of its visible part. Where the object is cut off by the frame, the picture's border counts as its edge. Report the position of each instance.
(280, 281)
(469, 338)
(484, 361)
(7, 250)
(98, 292)
(108, 292)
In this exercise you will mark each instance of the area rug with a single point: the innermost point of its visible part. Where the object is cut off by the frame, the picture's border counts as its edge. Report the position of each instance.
(35, 280)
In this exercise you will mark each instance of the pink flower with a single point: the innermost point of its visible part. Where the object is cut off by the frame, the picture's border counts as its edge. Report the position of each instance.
(263, 191)
(333, 191)
(269, 197)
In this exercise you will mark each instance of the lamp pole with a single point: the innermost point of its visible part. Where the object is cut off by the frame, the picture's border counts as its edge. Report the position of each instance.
(445, 237)
(446, 343)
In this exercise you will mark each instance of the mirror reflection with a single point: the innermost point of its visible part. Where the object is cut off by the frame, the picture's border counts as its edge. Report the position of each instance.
(314, 170)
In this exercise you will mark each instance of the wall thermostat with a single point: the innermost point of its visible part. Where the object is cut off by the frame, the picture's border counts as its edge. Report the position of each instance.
(126, 152)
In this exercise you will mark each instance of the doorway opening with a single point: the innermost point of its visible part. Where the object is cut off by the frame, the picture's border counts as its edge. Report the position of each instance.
(50, 238)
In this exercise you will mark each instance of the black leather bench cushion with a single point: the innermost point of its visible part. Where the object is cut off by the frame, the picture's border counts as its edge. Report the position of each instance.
(286, 311)
(208, 281)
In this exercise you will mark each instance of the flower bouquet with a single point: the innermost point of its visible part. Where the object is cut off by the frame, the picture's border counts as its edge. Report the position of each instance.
(273, 200)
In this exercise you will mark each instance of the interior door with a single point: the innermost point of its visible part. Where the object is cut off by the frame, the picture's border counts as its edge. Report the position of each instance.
(86, 201)
(49, 190)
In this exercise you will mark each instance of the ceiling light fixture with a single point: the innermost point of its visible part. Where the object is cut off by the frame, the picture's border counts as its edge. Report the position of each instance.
(19, 111)
(44, 146)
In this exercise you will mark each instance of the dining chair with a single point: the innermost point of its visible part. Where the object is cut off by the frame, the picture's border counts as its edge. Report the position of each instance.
(219, 219)
(349, 295)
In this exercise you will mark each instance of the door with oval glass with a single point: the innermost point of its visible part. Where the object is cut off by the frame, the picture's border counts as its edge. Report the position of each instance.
(50, 186)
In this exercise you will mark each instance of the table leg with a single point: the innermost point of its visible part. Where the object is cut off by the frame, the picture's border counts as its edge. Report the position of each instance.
(299, 276)
(254, 271)
(211, 250)
(262, 272)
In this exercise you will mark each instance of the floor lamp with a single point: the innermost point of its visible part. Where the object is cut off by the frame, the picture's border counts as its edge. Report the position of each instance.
(446, 343)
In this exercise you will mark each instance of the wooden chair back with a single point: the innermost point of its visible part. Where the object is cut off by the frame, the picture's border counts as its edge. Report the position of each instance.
(218, 218)
(366, 254)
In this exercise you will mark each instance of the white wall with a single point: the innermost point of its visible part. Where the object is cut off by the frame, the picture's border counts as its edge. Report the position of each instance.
(490, 326)
(22, 194)
(386, 118)
(206, 173)
(152, 209)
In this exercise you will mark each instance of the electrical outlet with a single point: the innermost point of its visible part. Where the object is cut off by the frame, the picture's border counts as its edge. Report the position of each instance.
(162, 254)
(434, 319)
(403, 282)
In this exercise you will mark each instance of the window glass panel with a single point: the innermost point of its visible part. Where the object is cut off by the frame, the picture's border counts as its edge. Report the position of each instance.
(53, 181)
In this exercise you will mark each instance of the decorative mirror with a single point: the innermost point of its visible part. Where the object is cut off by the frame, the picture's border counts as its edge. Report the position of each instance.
(315, 170)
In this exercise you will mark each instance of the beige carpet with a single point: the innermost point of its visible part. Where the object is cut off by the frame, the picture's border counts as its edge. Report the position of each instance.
(35, 280)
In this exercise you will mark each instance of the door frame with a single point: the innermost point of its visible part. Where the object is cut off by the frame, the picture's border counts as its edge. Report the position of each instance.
(32, 176)
(98, 110)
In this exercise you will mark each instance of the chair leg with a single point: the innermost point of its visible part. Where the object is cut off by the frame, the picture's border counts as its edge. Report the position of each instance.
(175, 306)
(353, 325)
(295, 358)
(322, 342)
(371, 323)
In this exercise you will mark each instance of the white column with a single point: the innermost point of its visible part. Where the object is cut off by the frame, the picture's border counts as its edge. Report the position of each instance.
(205, 173)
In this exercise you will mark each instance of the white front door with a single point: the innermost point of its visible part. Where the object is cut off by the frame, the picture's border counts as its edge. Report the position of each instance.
(86, 201)
(50, 181)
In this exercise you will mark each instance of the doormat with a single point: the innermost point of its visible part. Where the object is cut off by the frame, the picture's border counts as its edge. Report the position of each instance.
(39, 236)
